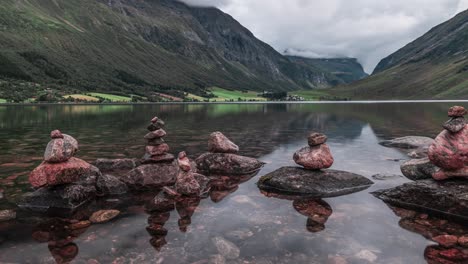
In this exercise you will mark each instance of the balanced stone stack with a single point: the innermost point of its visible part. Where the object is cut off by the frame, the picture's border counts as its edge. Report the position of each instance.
(449, 152)
(317, 155)
(62, 180)
(156, 149)
(186, 183)
(223, 159)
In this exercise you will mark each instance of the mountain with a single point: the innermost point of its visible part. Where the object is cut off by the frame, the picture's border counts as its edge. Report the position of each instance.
(138, 47)
(434, 66)
(343, 70)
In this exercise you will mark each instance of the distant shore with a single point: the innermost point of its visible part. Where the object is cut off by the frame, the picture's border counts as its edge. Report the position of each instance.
(252, 102)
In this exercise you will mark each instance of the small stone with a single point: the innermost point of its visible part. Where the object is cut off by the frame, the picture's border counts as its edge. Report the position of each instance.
(155, 134)
(157, 150)
(219, 143)
(167, 157)
(60, 149)
(56, 134)
(103, 216)
(80, 225)
(314, 158)
(7, 215)
(366, 255)
(155, 142)
(156, 125)
(446, 240)
(184, 162)
(456, 111)
(155, 119)
(455, 124)
(316, 139)
(463, 241)
(226, 248)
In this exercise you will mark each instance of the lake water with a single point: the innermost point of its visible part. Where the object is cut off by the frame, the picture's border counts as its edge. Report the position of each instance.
(361, 229)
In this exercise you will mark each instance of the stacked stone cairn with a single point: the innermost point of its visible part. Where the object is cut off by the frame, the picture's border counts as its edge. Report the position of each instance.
(61, 179)
(449, 152)
(156, 149)
(317, 155)
(223, 159)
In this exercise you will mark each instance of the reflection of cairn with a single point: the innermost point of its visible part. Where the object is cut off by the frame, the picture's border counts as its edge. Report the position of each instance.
(64, 181)
(317, 155)
(156, 149)
(449, 151)
(317, 212)
(156, 229)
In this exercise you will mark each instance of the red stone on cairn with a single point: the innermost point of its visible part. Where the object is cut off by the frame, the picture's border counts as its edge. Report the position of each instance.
(317, 155)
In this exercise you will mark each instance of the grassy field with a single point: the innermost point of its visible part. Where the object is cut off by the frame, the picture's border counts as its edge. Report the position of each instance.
(111, 97)
(310, 94)
(227, 95)
(2, 101)
(82, 97)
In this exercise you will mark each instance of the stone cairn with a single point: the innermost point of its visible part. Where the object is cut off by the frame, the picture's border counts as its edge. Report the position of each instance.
(156, 149)
(62, 181)
(449, 152)
(186, 184)
(317, 155)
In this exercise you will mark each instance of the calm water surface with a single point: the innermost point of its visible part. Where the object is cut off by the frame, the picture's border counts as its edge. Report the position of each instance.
(265, 230)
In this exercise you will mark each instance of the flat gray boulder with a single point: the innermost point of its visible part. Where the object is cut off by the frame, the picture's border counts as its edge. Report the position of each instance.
(441, 198)
(313, 183)
(227, 164)
(410, 142)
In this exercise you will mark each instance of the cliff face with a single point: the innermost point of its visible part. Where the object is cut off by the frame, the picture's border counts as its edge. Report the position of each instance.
(140, 45)
(434, 66)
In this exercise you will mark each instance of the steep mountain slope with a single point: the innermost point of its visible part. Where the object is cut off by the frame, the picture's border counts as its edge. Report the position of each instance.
(433, 66)
(139, 46)
(345, 70)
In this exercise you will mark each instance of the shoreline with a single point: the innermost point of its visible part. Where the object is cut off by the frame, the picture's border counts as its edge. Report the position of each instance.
(252, 102)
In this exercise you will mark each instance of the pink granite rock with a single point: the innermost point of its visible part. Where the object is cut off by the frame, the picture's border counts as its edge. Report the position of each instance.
(60, 149)
(450, 150)
(157, 150)
(51, 174)
(56, 134)
(184, 162)
(156, 134)
(219, 143)
(457, 111)
(314, 158)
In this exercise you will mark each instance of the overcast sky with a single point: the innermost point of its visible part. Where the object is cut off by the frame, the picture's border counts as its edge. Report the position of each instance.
(365, 29)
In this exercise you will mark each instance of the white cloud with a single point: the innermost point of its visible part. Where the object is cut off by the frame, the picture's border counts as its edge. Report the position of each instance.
(366, 29)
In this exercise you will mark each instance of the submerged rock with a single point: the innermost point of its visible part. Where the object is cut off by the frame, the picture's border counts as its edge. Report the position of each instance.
(219, 143)
(418, 169)
(409, 142)
(7, 215)
(226, 248)
(63, 198)
(151, 176)
(227, 164)
(103, 216)
(445, 198)
(313, 184)
(51, 174)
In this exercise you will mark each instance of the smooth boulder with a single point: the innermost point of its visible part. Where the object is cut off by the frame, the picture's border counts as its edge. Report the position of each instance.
(441, 198)
(227, 164)
(219, 143)
(314, 158)
(313, 184)
(450, 150)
